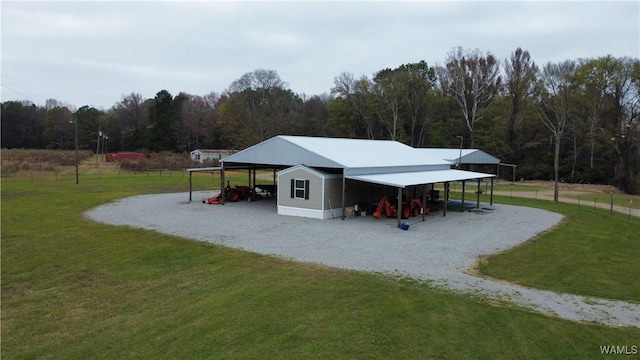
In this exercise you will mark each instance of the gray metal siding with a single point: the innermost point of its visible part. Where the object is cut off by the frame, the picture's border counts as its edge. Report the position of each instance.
(394, 169)
(333, 193)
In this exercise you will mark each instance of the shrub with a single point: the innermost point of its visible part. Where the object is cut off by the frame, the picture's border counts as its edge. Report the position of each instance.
(40, 160)
(160, 161)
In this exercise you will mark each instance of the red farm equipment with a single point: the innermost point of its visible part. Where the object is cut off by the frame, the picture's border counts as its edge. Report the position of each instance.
(234, 194)
(386, 206)
(410, 207)
(415, 207)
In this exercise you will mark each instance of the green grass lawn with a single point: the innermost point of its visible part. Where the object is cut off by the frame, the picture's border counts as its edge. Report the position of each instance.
(472, 186)
(623, 200)
(586, 199)
(592, 253)
(74, 289)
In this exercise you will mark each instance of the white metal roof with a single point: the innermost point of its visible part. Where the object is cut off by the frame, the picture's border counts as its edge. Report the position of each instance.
(355, 153)
(420, 177)
(356, 156)
(469, 156)
(377, 161)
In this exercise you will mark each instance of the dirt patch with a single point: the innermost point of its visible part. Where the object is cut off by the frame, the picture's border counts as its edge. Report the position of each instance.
(608, 189)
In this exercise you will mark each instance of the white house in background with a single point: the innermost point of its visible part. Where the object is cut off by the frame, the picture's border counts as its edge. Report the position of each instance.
(202, 155)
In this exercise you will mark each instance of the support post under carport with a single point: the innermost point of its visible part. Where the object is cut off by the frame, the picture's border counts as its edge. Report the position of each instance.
(344, 190)
(478, 195)
(446, 198)
(399, 205)
(491, 197)
(190, 184)
(222, 188)
(254, 180)
(424, 201)
(462, 205)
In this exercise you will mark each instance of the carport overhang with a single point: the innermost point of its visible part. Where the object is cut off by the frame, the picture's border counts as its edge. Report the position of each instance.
(399, 180)
(402, 180)
(203, 169)
(405, 179)
(233, 166)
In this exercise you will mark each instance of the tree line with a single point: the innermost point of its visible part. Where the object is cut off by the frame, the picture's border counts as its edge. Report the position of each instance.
(574, 121)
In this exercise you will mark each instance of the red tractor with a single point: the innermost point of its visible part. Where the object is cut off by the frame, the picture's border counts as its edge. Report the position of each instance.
(415, 205)
(234, 194)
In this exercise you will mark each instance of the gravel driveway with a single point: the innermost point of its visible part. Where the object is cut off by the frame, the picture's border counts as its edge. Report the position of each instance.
(440, 250)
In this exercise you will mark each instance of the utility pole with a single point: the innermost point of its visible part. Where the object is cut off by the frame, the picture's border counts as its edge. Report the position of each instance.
(98, 146)
(105, 137)
(460, 157)
(75, 124)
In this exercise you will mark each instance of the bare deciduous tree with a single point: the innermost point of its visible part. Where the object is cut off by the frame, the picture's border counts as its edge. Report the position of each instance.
(356, 92)
(520, 79)
(625, 90)
(258, 79)
(388, 88)
(472, 79)
(132, 117)
(555, 90)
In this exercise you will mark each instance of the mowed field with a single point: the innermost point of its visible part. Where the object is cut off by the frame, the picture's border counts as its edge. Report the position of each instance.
(75, 289)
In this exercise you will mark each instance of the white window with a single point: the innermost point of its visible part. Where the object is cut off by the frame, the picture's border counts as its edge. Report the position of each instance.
(300, 189)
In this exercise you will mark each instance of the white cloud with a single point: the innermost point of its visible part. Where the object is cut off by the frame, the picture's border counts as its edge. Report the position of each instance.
(43, 24)
(93, 52)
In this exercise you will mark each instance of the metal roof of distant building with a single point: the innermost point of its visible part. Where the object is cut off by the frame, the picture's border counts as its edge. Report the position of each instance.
(213, 151)
(469, 156)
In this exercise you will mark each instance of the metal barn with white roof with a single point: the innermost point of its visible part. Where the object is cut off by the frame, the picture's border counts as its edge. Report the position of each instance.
(321, 177)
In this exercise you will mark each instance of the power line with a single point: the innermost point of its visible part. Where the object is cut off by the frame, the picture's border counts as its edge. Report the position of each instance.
(18, 92)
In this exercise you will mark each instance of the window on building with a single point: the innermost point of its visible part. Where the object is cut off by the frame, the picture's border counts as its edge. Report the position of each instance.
(300, 189)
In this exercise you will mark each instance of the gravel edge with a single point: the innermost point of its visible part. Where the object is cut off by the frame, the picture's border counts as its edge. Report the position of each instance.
(440, 250)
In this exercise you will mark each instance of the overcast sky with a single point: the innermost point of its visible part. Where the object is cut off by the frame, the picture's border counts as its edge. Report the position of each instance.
(93, 53)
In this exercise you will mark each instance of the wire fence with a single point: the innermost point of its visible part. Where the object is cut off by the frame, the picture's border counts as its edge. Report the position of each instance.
(620, 203)
(63, 175)
(206, 181)
(200, 181)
